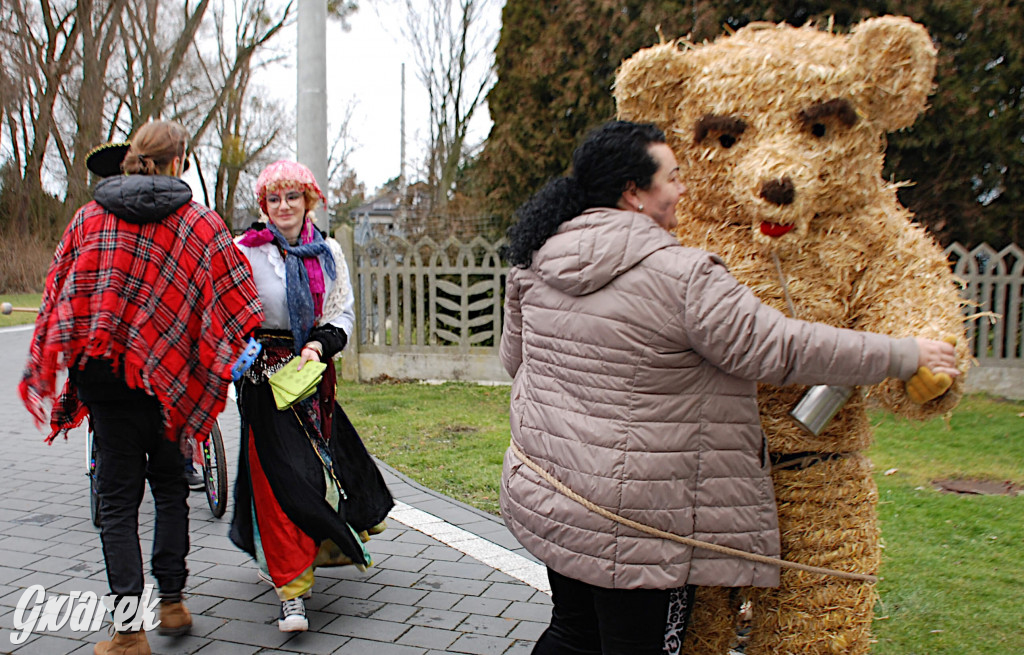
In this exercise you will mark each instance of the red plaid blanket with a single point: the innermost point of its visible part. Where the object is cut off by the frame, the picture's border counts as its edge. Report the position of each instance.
(167, 301)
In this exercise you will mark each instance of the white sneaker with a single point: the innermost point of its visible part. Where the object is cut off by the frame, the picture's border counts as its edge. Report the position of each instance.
(293, 616)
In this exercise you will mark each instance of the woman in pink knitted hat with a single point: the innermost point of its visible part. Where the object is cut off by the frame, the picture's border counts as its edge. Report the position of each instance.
(307, 492)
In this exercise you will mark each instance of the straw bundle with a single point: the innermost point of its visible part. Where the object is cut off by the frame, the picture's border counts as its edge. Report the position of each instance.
(779, 107)
(713, 621)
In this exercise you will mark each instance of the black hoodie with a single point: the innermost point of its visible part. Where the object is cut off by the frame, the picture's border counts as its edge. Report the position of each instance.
(142, 199)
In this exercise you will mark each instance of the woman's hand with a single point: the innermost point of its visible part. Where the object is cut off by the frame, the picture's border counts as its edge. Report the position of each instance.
(935, 372)
(311, 352)
(937, 356)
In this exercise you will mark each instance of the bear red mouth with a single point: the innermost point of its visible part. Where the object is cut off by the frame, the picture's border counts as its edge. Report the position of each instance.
(774, 229)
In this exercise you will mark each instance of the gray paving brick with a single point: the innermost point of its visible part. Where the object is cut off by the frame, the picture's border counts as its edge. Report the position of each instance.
(487, 625)
(469, 569)
(82, 537)
(221, 556)
(485, 606)
(541, 598)
(480, 645)
(528, 630)
(442, 619)
(452, 585)
(226, 648)
(364, 647)
(508, 591)
(46, 645)
(240, 610)
(439, 600)
(230, 589)
(529, 612)
(520, 648)
(442, 553)
(37, 533)
(83, 569)
(410, 564)
(48, 580)
(17, 559)
(317, 619)
(411, 536)
(313, 643)
(354, 589)
(65, 550)
(184, 645)
(233, 573)
(428, 637)
(8, 573)
(403, 548)
(354, 607)
(247, 632)
(373, 629)
(395, 612)
(203, 625)
(398, 595)
(395, 578)
(199, 604)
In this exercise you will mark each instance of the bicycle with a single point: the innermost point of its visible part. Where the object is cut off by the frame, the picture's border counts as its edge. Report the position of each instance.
(209, 458)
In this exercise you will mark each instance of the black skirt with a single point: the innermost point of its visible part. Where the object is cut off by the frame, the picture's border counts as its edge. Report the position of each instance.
(295, 470)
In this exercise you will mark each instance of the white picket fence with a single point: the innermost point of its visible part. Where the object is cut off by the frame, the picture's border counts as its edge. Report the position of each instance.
(430, 310)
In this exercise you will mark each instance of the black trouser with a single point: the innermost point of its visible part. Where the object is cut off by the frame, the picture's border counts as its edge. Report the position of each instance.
(589, 620)
(131, 448)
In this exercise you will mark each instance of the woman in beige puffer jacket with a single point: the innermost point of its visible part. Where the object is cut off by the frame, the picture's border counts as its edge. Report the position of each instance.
(635, 363)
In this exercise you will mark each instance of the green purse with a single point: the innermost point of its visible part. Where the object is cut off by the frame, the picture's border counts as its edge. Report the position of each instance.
(291, 385)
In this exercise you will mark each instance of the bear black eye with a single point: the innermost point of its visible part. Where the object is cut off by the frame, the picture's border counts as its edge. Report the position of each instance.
(726, 129)
(821, 118)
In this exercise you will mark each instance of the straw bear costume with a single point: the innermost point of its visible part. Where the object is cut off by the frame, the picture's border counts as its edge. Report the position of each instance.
(780, 136)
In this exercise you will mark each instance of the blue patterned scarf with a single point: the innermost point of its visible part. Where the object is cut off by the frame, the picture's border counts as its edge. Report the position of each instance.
(301, 316)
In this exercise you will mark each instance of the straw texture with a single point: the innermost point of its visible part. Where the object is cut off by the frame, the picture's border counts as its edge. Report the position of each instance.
(780, 136)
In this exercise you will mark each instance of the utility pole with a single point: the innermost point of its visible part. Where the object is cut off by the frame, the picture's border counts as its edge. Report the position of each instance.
(311, 98)
(401, 167)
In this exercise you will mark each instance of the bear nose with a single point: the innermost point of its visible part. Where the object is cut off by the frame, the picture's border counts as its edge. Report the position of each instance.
(778, 192)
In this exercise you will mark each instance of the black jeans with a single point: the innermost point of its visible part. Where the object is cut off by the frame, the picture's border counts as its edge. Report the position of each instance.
(589, 620)
(131, 448)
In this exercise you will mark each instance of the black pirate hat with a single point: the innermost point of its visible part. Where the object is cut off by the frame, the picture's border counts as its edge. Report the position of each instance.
(105, 160)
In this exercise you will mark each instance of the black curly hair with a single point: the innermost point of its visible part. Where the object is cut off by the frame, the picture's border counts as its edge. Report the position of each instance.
(610, 157)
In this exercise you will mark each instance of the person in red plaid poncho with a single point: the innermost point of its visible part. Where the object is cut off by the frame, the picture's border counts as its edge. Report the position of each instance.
(147, 304)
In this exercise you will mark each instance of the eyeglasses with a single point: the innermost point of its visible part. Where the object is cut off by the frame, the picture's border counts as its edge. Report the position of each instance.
(292, 197)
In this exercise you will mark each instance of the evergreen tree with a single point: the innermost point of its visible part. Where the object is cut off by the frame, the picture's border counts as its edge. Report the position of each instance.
(556, 62)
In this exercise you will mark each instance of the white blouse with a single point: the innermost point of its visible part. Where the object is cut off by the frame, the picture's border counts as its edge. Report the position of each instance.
(268, 273)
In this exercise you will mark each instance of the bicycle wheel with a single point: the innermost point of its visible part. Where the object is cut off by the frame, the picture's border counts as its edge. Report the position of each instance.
(92, 470)
(215, 472)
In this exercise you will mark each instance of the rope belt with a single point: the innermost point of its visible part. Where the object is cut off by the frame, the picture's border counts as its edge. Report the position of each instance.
(686, 541)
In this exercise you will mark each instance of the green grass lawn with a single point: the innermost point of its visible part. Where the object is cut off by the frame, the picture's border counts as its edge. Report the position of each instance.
(953, 565)
(31, 300)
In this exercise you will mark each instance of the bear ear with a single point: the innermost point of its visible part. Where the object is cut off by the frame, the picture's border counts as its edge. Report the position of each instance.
(895, 61)
(648, 85)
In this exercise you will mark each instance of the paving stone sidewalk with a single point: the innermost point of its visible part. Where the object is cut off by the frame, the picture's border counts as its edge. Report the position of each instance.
(422, 597)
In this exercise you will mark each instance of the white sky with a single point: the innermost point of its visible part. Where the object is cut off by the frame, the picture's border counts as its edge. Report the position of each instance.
(365, 64)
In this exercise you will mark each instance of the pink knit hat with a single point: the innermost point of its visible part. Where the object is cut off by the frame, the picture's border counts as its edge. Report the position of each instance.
(284, 171)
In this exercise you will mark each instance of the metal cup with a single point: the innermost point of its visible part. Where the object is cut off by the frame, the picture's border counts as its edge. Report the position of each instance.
(819, 405)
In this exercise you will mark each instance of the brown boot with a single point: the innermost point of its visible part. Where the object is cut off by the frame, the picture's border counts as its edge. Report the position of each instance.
(134, 643)
(175, 619)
